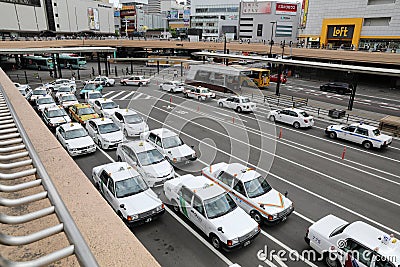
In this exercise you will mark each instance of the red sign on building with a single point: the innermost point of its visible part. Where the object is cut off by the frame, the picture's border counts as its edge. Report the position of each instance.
(286, 9)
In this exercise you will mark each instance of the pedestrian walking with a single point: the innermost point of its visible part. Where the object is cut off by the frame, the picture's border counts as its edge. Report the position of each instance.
(175, 73)
(51, 73)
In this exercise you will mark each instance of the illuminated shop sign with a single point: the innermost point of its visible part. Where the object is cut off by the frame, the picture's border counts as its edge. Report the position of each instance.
(340, 31)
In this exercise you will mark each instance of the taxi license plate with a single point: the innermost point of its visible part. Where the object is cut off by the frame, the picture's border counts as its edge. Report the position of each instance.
(246, 243)
(148, 220)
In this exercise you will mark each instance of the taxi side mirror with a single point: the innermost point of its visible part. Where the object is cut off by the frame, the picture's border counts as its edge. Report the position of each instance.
(122, 206)
(220, 229)
(286, 193)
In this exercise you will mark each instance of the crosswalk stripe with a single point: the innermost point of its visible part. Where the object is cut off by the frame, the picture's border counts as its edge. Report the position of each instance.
(114, 96)
(148, 97)
(128, 95)
(137, 96)
(109, 93)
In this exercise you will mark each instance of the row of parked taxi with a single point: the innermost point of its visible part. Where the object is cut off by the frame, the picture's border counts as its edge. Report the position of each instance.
(227, 202)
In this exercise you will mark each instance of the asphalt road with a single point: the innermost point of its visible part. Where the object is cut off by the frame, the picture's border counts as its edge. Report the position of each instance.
(305, 163)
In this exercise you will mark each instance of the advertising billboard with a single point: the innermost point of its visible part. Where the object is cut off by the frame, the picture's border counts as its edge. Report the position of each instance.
(93, 18)
(186, 17)
(304, 10)
(340, 31)
(256, 7)
(286, 9)
(23, 2)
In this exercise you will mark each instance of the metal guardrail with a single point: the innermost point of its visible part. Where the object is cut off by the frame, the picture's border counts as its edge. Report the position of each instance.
(13, 138)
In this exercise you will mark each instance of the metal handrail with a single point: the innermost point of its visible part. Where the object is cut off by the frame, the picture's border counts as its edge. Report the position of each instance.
(78, 245)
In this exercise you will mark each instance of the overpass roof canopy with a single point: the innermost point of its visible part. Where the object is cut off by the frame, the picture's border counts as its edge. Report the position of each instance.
(56, 50)
(312, 64)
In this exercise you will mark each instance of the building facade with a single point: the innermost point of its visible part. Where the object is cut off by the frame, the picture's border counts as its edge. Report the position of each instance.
(32, 17)
(357, 24)
(214, 19)
(262, 20)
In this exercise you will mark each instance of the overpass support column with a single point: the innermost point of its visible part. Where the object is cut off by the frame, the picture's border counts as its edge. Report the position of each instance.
(105, 64)
(158, 66)
(59, 65)
(278, 82)
(354, 83)
(54, 66)
(98, 63)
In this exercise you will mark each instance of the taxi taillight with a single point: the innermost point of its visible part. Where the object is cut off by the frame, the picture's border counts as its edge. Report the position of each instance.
(129, 218)
(229, 243)
(270, 217)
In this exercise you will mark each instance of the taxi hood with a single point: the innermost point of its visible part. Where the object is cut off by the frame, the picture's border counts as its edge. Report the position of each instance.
(180, 151)
(160, 169)
(235, 224)
(139, 203)
(114, 136)
(80, 142)
(273, 201)
(62, 119)
(326, 225)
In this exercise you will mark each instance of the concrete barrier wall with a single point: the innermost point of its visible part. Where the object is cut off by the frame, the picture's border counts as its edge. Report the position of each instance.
(111, 242)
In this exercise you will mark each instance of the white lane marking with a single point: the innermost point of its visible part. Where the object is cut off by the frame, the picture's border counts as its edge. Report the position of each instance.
(127, 95)
(388, 107)
(222, 114)
(269, 263)
(303, 217)
(378, 97)
(137, 96)
(118, 94)
(200, 238)
(280, 261)
(286, 181)
(109, 93)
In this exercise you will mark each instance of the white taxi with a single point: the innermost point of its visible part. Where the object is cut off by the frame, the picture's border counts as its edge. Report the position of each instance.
(105, 107)
(171, 145)
(54, 116)
(149, 162)
(293, 116)
(172, 86)
(251, 192)
(127, 193)
(92, 96)
(36, 93)
(61, 82)
(212, 210)
(131, 123)
(339, 242)
(104, 132)
(238, 103)
(366, 135)
(62, 90)
(43, 102)
(67, 100)
(135, 80)
(200, 93)
(74, 138)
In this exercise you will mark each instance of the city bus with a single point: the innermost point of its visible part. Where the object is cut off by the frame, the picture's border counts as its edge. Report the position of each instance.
(37, 62)
(72, 61)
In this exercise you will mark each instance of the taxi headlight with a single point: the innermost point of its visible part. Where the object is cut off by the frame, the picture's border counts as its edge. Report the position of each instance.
(161, 207)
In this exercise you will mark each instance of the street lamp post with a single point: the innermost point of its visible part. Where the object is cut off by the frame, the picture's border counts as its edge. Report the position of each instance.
(272, 36)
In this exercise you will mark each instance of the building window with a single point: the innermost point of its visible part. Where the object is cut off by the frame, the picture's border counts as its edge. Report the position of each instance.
(246, 25)
(250, 19)
(56, 15)
(380, 2)
(259, 29)
(246, 30)
(55, 4)
(377, 21)
(58, 25)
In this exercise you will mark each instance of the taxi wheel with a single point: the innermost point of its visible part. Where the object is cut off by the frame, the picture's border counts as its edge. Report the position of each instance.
(256, 216)
(119, 159)
(367, 144)
(332, 261)
(140, 84)
(221, 104)
(215, 242)
(239, 109)
(171, 90)
(272, 118)
(199, 98)
(99, 144)
(332, 135)
(125, 133)
(296, 125)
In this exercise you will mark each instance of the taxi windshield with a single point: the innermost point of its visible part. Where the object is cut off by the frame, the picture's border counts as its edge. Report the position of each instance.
(219, 206)
(95, 96)
(68, 98)
(90, 86)
(109, 105)
(85, 111)
(108, 128)
(150, 157)
(39, 92)
(133, 119)
(47, 100)
(204, 91)
(257, 187)
(76, 133)
(172, 141)
(130, 186)
(56, 113)
(245, 100)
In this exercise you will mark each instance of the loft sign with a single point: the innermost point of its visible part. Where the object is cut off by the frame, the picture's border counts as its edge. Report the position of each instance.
(340, 31)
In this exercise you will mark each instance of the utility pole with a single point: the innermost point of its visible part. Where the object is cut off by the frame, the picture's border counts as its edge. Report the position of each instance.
(272, 37)
(354, 81)
(226, 59)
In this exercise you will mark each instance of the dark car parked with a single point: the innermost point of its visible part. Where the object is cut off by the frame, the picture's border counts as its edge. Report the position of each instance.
(339, 88)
